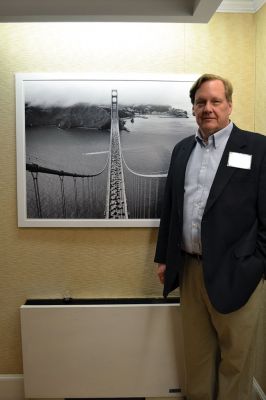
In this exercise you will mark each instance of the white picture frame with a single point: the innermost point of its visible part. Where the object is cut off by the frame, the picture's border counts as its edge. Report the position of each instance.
(64, 127)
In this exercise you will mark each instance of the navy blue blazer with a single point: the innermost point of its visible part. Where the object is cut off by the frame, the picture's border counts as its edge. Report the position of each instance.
(233, 228)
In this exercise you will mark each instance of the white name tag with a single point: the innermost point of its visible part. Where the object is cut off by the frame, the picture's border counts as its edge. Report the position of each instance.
(239, 160)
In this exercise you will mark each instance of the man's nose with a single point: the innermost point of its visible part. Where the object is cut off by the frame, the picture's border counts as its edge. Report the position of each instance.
(208, 107)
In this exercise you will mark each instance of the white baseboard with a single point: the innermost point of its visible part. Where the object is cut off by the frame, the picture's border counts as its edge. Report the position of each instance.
(11, 387)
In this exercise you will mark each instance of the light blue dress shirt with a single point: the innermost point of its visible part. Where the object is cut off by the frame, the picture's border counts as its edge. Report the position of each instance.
(200, 172)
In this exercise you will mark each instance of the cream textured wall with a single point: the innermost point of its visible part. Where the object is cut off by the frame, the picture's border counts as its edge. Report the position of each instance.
(226, 46)
(260, 104)
(99, 262)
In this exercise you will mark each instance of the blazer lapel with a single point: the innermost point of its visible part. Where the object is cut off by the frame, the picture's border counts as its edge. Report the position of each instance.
(236, 143)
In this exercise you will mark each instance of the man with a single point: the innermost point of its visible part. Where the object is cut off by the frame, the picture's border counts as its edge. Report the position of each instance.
(212, 243)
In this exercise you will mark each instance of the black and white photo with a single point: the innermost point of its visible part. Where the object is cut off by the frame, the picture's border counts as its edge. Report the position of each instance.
(95, 151)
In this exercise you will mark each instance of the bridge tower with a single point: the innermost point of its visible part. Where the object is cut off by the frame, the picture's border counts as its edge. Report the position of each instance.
(114, 100)
(116, 202)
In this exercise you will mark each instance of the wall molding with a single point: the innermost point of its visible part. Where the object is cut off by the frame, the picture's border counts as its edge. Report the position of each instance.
(240, 6)
(258, 4)
(11, 387)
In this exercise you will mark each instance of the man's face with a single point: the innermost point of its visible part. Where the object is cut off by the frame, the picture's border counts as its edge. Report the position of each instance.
(211, 108)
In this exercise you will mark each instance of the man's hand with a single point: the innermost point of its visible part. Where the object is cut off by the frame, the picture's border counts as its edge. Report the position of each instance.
(160, 272)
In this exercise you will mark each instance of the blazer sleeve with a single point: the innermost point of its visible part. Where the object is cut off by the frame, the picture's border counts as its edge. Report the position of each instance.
(261, 206)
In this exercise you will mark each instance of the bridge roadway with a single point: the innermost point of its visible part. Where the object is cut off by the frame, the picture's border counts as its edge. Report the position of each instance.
(116, 202)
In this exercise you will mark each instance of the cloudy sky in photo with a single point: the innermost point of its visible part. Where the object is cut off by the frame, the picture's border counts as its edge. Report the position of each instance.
(98, 92)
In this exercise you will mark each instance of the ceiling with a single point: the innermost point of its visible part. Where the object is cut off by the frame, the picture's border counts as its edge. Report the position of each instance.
(193, 11)
(249, 6)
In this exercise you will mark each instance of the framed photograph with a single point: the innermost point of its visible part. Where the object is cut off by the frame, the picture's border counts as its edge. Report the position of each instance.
(94, 150)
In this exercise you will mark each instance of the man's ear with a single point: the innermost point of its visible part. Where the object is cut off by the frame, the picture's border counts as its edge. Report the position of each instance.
(193, 112)
(231, 107)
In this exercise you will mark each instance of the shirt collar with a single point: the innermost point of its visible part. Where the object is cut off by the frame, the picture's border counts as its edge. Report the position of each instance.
(218, 138)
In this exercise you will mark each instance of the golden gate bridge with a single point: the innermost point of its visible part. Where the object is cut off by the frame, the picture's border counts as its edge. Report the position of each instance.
(114, 192)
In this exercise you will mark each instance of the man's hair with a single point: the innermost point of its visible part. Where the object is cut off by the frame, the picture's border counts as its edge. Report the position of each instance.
(228, 88)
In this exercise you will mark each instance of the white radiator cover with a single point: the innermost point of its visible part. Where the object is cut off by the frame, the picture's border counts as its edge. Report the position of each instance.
(102, 351)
